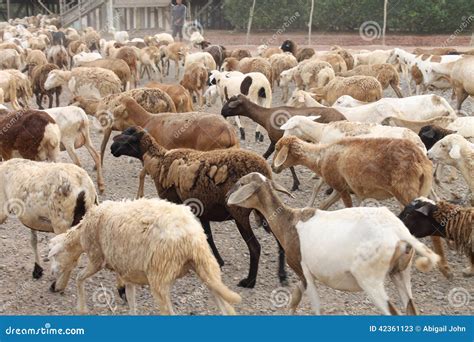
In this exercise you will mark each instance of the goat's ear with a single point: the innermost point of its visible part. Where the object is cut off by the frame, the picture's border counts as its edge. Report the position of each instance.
(243, 193)
(281, 156)
(314, 117)
(455, 152)
(425, 210)
(234, 103)
(429, 134)
(280, 188)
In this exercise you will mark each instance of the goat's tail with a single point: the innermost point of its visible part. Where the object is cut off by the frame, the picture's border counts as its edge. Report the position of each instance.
(428, 258)
(208, 270)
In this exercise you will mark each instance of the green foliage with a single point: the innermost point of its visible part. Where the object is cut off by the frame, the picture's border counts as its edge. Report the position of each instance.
(418, 16)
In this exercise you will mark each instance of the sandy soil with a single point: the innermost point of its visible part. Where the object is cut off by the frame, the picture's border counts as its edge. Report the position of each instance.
(21, 295)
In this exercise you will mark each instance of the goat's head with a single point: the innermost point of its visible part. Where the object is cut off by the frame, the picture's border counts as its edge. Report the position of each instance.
(431, 134)
(233, 106)
(417, 216)
(448, 149)
(251, 190)
(287, 150)
(128, 143)
(55, 79)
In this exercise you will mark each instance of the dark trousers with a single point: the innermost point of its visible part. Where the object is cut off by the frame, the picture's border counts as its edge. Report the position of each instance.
(177, 31)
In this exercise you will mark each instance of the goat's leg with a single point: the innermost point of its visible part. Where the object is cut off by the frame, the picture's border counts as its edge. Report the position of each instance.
(95, 156)
(72, 153)
(38, 270)
(461, 96)
(50, 98)
(239, 125)
(269, 151)
(317, 187)
(161, 294)
(103, 145)
(39, 97)
(207, 229)
(333, 198)
(469, 271)
(281, 265)
(131, 297)
(296, 296)
(91, 269)
(396, 89)
(296, 182)
(254, 250)
(442, 264)
(311, 289)
(372, 282)
(57, 92)
(402, 281)
(346, 198)
(141, 183)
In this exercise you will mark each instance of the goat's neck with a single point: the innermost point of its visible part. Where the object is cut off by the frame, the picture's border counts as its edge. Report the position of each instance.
(257, 113)
(150, 146)
(313, 130)
(311, 155)
(443, 68)
(90, 106)
(66, 75)
(138, 114)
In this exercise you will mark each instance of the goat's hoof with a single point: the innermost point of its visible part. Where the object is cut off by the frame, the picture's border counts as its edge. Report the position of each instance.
(283, 280)
(249, 284)
(52, 288)
(446, 271)
(122, 294)
(329, 191)
(37, 271)
(242, 134)
(221, 263)
(295, 187)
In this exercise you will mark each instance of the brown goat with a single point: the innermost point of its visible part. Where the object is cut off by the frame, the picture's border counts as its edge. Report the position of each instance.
(180, 95)
(195, 80)
(39, 75)
(128, 55)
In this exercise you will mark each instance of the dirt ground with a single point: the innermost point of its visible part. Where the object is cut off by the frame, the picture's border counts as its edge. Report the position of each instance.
(22, 295)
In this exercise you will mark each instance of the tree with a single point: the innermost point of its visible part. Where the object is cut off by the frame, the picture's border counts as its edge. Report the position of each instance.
(310, 24)
(249, 26)
(385, 5)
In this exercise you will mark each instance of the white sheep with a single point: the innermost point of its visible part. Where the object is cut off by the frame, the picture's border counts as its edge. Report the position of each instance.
(200, 57)
(89, 82)
(121, 37)
(74, 126)
(146, 242)
(363, 247)
(46, 197)
(456, 151)
(85, 57)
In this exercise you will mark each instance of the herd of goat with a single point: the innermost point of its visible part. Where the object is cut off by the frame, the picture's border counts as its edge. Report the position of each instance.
(336, 123)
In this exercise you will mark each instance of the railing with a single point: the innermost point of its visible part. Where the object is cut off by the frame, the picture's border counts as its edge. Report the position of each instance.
(73, 10)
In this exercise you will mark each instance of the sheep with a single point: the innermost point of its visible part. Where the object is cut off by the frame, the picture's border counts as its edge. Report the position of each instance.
(91, 38)
(313, 74)
(304, 53)
(195, 80)
(152, 100)
(58, 55)
(121, 36)
(266, 51)
(211, 95)
(385, 73)
(372, 57)
(254, 85)
(289, 46)
(204, 58)
(74, 129)
(202, 180)
(279, 63)
(180, 95)
(337, 61)
(164, 37)
(149, 58)
(128, 55)
(35, 58)
(378, 168)
(29, 134)
(423, 217)
(90, 82)
(461, 75)
(10, 59)
(240, 53)
(76, 47)
(163, 242)
(362, 88)
(46, 197)
(272, 118)
(420, 107)
(256, 64)
(15, 86)
(230, 64)
(175, 52)
(118, 66)
(38, 78)
(346, 55)
(218, 52)
(286, 77)
(417, 125)
(82, 57)
(301, 98)
(454, 150)
(356, 256)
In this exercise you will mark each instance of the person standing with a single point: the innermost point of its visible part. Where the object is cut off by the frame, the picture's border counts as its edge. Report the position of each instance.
(178, 15)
